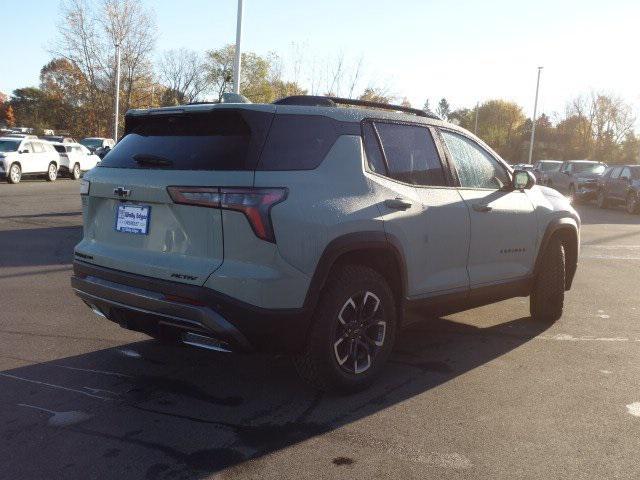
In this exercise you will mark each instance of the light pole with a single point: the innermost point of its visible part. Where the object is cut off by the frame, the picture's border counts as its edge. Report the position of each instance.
(535, 112)
(237, 63)
(475, 130)
(117, 105)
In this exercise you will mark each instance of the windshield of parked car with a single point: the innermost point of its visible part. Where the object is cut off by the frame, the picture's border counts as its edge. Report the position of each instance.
(91, 142)
(9, 145)
(589, 168)
(549, 167)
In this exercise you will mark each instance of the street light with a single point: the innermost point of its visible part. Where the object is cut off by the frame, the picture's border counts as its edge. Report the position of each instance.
(535, 112)
(237, 63)
(117, 105)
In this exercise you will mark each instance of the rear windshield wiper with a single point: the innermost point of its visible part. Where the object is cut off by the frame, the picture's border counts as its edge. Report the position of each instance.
(148, 159)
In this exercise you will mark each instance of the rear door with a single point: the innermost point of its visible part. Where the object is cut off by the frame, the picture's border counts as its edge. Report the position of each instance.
(613, 185)
(419, 206)
(131, 222)
(624, 182)
(503, 223)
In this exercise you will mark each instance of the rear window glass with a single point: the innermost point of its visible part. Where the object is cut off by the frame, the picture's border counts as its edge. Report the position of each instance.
(412, 156)
(298, 142)
(219, 140)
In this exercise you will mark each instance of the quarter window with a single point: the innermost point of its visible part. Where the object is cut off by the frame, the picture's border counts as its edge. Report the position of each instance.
(475, 167)
(375, 161)
(411, 154)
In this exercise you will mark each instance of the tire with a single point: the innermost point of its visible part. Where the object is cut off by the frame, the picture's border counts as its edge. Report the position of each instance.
(601, 201)
(52, 172)
(340, 353)
(75, 172)
(632, 205)
(547, 296)
(14, 174)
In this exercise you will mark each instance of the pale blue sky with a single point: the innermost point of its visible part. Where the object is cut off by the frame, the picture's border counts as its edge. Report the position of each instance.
(466, 51)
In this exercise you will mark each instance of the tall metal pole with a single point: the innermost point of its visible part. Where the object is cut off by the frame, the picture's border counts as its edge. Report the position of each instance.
(535, 113)
(117, 101)
(475, 130)
(237, 64)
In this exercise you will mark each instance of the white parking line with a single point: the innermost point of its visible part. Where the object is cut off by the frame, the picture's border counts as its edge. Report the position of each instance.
(563, 337)
(52, 385)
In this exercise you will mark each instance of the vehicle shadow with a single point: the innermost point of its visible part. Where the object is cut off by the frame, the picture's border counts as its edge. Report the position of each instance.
(147, 410)
(615, 215)
(38, 246)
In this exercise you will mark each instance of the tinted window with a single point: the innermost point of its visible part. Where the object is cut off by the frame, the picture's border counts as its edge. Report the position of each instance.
(588, 168)
(9, 145)
(616, 172)
(298, 142)
(60, 149)
(411, 154)
(375, 161)
(219, 140)
(476, 168)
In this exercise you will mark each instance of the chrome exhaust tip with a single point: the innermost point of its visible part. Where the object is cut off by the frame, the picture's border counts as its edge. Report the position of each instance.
(208, 343)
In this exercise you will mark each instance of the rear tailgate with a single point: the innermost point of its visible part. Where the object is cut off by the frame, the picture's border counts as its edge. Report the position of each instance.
(169, 241)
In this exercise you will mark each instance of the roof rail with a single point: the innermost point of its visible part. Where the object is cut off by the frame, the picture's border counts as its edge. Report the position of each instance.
(320, 101)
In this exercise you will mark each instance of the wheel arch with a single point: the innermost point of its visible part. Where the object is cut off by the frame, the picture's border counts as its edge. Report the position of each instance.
(375, 249)
(566, 229)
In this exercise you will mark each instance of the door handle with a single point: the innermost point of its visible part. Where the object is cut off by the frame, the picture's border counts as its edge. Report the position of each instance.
(397, 203)
(481, 207)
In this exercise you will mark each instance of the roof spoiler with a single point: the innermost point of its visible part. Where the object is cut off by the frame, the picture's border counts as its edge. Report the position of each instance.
(322, 101)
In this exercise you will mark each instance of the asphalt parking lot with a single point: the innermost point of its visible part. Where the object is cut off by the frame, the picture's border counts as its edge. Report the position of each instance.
(483, 394)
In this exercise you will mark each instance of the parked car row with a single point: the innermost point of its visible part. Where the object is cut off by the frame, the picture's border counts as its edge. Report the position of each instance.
(586, 180)
(35, 157)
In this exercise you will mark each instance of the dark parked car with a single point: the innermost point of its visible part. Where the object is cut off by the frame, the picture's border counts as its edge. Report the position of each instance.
(578, 179)
(620, 185)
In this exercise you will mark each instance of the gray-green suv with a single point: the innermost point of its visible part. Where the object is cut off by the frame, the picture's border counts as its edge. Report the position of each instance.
(312, 226)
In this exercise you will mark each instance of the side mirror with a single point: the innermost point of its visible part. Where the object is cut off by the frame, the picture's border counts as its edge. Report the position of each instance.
(523, 179)
(23, 151)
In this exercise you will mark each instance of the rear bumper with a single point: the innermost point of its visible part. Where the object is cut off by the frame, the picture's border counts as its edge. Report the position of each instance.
(150, 305)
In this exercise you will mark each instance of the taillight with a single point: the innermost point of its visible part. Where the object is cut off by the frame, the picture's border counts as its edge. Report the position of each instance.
(255, 203)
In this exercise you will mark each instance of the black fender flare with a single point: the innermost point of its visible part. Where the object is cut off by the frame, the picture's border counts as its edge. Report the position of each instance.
(353, 242)
(562, 224)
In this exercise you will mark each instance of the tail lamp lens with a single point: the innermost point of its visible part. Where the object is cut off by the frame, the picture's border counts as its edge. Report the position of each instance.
(255, 203)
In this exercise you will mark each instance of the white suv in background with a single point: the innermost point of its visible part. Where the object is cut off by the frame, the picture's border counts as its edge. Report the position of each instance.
(27, 156)
(75, 158)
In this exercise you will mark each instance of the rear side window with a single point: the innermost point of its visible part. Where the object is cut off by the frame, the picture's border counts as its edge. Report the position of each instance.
(298, 142)
(60, 149)
(411, 154)
(218, 140)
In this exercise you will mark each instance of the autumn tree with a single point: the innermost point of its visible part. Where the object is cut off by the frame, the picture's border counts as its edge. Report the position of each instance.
(87, 35)
(183, 73)
(9, 117)
(375, 94)
(260, 78)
